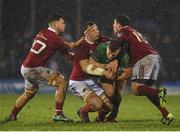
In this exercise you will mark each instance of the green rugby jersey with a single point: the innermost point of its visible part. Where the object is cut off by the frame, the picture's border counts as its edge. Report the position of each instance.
(100, 56)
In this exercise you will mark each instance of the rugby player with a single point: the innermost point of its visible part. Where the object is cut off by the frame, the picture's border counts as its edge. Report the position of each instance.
(145, 65)
(81, 83)
(45, 44)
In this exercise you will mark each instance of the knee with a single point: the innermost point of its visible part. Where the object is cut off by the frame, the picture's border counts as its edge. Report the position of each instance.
(109, 94)
(92, 99)
(58, 81)
(29, 93)
(134, 89)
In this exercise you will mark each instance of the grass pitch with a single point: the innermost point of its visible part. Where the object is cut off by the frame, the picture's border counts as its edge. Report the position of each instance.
(136, 113)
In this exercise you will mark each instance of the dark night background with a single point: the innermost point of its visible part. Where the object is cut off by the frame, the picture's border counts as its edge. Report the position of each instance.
(158, 20)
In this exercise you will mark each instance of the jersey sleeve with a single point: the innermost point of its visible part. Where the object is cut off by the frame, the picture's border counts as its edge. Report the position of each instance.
(62, 47)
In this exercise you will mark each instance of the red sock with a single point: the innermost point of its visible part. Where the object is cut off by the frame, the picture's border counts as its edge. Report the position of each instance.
(155, 101)
(146, 90)
(152, 95)
(163, 111)
(101, 114)
(58, 108)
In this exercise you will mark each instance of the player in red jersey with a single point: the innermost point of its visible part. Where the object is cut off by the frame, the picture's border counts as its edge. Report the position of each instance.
(45, 44)
(81, 83)
(146, 65)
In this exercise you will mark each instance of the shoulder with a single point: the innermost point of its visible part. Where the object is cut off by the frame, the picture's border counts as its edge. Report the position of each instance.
(102, 46)
(126, 30)
(103, 39)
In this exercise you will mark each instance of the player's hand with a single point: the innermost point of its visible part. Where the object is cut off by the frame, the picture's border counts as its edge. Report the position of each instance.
(74, 44)
(112, 66)
(108, 74)
(81, 39)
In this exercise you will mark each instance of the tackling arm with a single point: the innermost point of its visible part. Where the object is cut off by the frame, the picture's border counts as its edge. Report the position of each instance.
(94, 70)
(126, 73)
(94, 62)
(90, 68)
(72, 45)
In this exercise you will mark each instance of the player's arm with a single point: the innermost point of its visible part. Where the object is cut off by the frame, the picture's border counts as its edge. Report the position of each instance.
(113, 65)
(94, 62)
(94, 70)
(124, 73)
(72, 45)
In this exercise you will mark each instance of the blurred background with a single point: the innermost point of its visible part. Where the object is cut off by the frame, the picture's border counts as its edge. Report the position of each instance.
(158, 20)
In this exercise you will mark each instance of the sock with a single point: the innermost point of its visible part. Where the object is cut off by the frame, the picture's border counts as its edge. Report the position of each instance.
(155, 101)
(101, 115)
(116, 102)
(152, 95)
(58, 108)
(146, 90)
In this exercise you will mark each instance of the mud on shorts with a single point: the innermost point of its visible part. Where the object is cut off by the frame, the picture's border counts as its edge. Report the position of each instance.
(146, 68)
(35, 76)
(79, 87)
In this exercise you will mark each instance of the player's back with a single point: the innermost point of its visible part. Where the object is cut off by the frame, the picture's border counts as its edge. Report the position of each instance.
(139, 46)
(45, 44)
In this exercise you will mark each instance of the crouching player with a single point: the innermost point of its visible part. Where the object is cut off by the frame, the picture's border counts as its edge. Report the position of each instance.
(104, 54)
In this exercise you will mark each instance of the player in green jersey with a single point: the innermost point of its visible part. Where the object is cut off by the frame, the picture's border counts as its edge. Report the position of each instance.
(101, 57)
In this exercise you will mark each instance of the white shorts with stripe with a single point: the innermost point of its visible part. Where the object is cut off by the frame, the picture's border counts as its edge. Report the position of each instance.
(79, 87)
(147, 68)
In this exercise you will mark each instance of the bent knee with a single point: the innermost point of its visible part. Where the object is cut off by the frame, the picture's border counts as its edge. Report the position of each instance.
(134, 88)
(109, 94)
(57, 80)
(91, 98)
(29, 93)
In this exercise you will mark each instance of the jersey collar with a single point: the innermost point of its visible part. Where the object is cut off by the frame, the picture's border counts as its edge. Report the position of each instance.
(89, 42)
(51, 29)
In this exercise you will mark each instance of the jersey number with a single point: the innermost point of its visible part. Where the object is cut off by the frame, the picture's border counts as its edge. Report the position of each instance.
(43, 46)
(140, 37)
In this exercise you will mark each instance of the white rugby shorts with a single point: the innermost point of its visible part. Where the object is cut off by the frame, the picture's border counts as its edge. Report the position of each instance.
(35, 76)
(79, 87)
(147, 68)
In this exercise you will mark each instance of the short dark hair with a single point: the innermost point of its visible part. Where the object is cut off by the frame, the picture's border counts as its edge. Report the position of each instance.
(123, 19)
(87, 26)
(54, 17)
(115, 44)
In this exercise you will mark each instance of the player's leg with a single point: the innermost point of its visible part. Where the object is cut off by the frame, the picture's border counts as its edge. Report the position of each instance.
(109, 90)
(107, 105)
(116, 100)
(30, 90)
(143, 75)
(55, 79)
(20, 103)
(92, 102)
